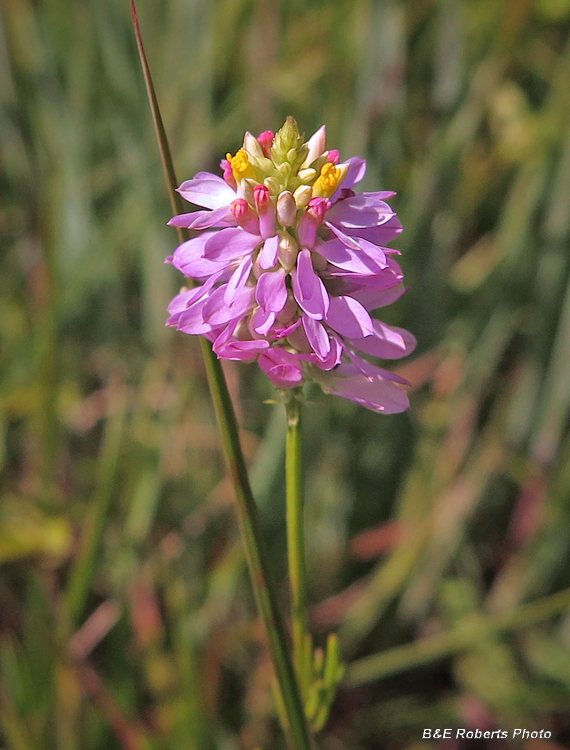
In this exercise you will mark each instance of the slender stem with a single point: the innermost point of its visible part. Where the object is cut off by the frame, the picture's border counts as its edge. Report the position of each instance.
(296, 536)
(256, 553)
(246, 508)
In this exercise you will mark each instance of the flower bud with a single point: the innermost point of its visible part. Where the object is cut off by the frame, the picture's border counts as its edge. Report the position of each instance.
(307, 175)
(266, 211)
(316, 144)
(330, 178)
(273, 184)
(245, 190)
(252, 145)
(318, 208)
(291, 155)
(286, 139)
(333, 156)
(244, 215)
(302, 196)
(228, 175)
(241, 166)
(286, 209)
(310, 222)
(288, 251)
(265, 140)
(285, 169)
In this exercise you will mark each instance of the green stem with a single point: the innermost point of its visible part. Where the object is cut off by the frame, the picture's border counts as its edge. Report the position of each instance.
(246, 508)
(296, 537)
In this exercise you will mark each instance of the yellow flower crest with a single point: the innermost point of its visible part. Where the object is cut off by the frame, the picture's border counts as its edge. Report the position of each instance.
(328, 180)
(240, 164)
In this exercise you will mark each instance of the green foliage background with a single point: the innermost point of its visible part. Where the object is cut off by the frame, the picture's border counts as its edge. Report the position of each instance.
(126, 618)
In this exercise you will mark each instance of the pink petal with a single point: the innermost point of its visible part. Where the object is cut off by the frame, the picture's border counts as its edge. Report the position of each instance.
(261, 321)
(192, 320)
(279, 332)
(227, 346)
(349, 318)
(356, 261)
(381, 235)
(188, 258)
(221, 217)
(269, 253)
(217, 312)
(281, 367)
(271, 291)
(184, 299)
(230, 244)
(379, 394)
(207, 190)
(308, 288)
(372, 299)
(317, 336)
(355, 173)
(238, 278)
(317, 145)
(387, 342)
(359, 211)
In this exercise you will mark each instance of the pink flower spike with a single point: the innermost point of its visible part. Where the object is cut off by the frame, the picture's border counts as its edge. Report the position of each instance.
(265, 140)
(289, 277)
(282, 367)
(266, 211)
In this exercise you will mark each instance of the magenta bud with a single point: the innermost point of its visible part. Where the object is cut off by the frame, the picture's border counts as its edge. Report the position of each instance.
(266, 211)
(318, 207)
(334, 157)
(228, 175)
(244, 215)
(265, 140)
(261, 196)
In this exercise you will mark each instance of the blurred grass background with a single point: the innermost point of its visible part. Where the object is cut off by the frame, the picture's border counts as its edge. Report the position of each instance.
(126, 619)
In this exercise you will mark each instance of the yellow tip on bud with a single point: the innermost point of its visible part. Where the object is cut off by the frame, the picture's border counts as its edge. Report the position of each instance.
(240, 164)
(328, 180)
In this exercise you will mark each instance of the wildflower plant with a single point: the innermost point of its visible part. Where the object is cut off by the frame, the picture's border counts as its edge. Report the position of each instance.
(289, 262)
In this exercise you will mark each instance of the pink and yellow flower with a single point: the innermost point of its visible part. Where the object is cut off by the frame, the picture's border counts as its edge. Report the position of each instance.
(290, 263)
